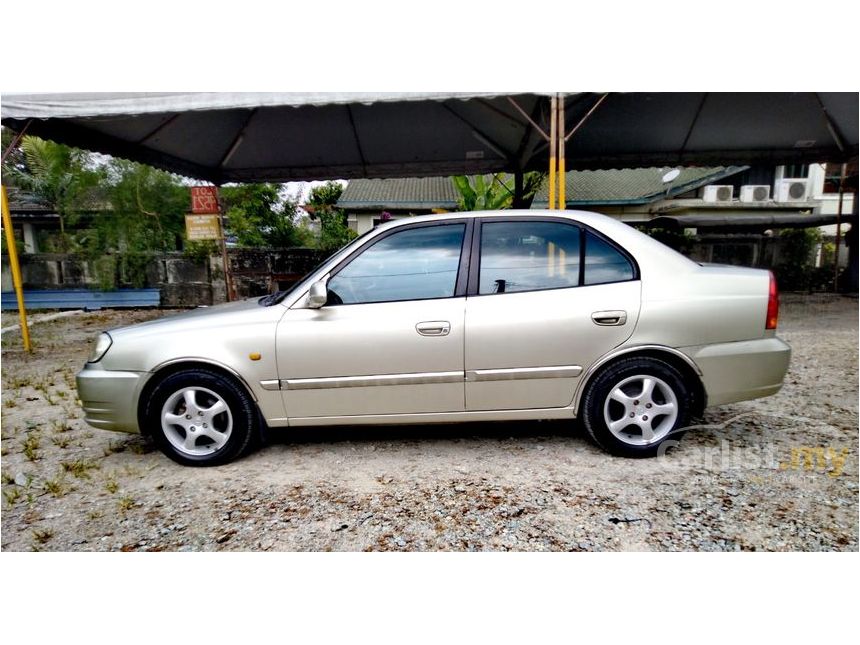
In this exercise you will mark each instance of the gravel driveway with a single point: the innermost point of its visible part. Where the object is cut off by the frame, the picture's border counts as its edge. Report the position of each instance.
(775, 474)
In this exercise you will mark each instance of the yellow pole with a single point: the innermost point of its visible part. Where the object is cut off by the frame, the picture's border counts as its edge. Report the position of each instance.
(562, 203)
(553, 143)
(16, 271)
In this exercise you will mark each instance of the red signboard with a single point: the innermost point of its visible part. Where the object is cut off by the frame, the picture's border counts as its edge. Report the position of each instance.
(204, 199)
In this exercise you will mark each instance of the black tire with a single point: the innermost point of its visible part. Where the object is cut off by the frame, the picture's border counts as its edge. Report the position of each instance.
(241, 414)
(628, 369)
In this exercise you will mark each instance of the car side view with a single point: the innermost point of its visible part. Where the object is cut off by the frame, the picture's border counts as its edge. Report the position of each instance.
(486, 316)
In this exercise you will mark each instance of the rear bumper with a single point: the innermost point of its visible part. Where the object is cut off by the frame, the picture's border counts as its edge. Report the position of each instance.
(109, 398)
(741, 371)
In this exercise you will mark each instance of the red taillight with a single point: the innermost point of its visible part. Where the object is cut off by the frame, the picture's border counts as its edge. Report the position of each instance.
(772, 304)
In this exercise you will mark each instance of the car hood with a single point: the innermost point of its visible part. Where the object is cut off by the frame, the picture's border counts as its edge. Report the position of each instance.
(227, 314)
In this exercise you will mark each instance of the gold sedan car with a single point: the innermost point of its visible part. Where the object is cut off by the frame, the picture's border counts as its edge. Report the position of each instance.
(462, 317)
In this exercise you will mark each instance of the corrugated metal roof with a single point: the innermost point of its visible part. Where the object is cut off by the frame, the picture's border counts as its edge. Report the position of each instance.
(414, 192)
(630, 186)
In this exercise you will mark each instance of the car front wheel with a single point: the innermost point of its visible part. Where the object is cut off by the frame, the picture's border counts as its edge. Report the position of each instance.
(200, 418)
(635, 406)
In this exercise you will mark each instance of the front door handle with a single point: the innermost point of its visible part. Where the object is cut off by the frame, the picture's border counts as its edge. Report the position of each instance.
(615, 317)
(433, 328)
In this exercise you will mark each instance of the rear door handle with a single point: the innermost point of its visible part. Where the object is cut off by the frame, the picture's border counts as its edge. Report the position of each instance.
(609, 318)
(433, 328)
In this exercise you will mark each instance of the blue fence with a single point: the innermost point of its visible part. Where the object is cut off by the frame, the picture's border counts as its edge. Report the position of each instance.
(83, 299)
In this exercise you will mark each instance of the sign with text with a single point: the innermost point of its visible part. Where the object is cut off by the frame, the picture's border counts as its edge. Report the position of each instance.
(202, 227)
(204, 199)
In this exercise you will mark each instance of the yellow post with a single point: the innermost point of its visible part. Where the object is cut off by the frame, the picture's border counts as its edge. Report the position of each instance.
(16, 271)
(553, 143)
(562, 180)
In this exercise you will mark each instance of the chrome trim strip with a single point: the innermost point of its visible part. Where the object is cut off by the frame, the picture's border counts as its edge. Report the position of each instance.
(271, 384)
(519, 373)
(366, 381)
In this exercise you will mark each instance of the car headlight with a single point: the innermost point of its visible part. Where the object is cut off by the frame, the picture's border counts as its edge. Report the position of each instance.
(103, 343)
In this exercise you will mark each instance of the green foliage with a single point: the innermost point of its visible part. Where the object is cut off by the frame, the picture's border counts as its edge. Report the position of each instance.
(476, 194)
(200, 250)
(61, 177)
(325, 195)
(334, 230)
(795, 270)
(260, 217)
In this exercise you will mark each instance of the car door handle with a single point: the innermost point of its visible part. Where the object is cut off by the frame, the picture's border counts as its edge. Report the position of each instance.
(609, 318)
(433, 328)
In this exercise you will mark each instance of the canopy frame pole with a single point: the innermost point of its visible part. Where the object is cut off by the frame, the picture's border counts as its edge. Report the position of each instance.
(553, 149)
(16, 139)
(16, 271)
(839, 228)
(562, 180)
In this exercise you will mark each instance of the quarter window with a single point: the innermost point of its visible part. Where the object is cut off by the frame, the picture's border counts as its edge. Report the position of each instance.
(603, 262)
(528, 256)
(413, 264)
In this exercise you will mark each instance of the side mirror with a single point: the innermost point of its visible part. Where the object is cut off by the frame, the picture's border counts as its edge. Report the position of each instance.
(318, 295)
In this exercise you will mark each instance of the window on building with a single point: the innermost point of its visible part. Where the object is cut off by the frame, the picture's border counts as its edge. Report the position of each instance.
(796, 171)
(833, 176)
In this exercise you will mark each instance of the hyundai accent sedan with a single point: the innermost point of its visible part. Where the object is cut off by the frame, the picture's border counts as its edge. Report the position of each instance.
(487, 316)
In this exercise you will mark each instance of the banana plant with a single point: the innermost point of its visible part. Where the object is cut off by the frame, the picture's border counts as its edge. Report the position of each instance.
(478, 194)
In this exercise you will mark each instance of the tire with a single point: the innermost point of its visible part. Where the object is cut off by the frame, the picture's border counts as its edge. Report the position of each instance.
(199, 417)
(650, 390)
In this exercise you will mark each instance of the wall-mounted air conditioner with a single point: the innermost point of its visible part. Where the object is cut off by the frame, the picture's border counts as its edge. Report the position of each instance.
(755, 193)
(792, 190)
(718, 193)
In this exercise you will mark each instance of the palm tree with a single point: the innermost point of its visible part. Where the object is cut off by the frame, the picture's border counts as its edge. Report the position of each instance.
(58, 176)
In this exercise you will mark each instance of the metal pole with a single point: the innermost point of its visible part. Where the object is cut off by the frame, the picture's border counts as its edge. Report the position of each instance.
(839, 228)
(16, 271)
(553, 143)
(561, 139)
(228, 281)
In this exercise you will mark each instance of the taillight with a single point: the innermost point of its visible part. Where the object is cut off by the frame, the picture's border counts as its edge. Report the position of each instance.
(772, 304)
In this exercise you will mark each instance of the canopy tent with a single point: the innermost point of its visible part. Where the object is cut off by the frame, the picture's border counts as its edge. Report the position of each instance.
(227, 137)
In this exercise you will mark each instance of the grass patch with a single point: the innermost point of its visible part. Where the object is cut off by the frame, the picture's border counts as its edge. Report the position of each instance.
(10, 403)
(56, 487)
(42, 536)
(125, 503)
(61, 442)
(80, 468)
(12, 495)
(30, 446)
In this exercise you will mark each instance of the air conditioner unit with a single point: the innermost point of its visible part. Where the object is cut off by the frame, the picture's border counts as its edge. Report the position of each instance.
(792, 190)
(718, 193)
(755, 193)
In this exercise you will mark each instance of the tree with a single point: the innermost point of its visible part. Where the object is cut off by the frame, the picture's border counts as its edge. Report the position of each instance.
(61, 177)
(334, 230)
(260, 217)
(144, 210)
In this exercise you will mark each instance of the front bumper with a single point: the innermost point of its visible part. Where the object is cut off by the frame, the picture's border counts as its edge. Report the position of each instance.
(743, 370)
(109, 398)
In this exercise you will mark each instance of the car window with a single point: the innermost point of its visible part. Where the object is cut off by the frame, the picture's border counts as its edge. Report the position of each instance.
(527, 256)
(413, 264)
(603, 262)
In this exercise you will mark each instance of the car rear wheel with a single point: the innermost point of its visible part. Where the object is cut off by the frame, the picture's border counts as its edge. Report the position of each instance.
(635, 406)
(200, 418)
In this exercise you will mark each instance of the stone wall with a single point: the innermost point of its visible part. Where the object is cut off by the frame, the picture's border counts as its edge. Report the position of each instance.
(182, 281)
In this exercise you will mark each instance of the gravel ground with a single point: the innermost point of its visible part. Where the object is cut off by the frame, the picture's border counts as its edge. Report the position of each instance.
(741, 483)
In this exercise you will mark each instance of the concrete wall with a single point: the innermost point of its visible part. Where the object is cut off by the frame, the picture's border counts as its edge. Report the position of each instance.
(182, 281)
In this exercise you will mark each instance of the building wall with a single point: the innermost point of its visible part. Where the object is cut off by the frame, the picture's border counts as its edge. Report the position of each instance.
(182, 281)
